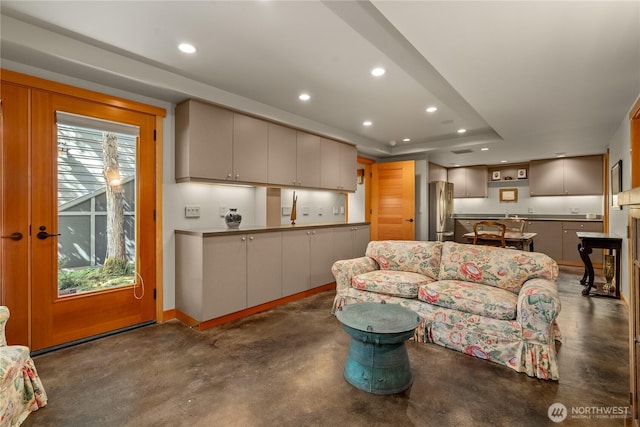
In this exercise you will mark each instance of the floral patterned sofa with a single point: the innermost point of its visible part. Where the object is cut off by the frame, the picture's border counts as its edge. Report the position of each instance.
(21, 390)
(488, 302)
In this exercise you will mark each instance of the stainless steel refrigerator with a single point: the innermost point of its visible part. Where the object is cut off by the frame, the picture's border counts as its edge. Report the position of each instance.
(441, 224)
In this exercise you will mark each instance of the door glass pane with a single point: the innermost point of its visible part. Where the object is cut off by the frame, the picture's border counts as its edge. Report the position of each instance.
(96, 207)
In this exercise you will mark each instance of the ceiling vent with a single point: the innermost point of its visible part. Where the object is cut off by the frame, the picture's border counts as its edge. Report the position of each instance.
(465, 151)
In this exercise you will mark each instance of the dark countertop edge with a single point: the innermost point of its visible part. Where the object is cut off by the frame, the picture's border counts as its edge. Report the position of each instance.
(208, 232)
(532, 217)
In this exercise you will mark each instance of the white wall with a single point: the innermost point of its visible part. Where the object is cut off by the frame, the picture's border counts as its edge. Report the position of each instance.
(620, 149)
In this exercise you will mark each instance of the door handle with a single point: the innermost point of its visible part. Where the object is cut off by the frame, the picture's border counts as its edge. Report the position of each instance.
(410, 219)
(42, 234)
(14, 236)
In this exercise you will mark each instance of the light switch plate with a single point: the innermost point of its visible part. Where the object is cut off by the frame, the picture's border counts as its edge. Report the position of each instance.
(286, 210)
(191, 211)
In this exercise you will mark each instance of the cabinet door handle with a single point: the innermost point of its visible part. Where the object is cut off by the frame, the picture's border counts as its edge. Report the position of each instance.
(251, 238)
(243, 238)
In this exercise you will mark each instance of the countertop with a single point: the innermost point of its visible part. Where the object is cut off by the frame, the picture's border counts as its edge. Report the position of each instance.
(222, 231)
(536, 217)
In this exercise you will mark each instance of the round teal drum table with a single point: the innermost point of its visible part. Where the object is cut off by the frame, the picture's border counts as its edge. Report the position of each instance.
(378, 361)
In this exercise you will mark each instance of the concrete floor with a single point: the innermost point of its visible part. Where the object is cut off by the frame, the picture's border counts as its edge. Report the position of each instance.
(284, 368)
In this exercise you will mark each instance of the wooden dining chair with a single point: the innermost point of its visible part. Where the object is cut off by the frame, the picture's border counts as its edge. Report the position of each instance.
(489, 231)
(515, 225)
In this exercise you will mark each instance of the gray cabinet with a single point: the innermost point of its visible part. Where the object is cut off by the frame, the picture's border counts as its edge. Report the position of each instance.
(204, 135)
(549, 237)
(569, 176)
(296, 261)
(264, 268)
(215, 144)
(469, 181)
(250, 148)
(282, 157)
(570, 240)
(350, 242)
(210, 275)
(338, 164)
(461, 227)
(220, 275)
(308, 160)
(322, 258)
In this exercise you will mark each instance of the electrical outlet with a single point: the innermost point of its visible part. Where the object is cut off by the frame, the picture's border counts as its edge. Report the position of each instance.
(222, 211)
(530, 210)
(575, 210)
(342, 210)
(191, 211)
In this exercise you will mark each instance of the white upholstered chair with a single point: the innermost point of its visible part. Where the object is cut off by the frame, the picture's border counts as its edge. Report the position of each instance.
(21, 390)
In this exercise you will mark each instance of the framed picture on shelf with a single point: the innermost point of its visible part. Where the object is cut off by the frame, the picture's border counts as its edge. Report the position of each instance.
(522, 173)
(495, 176)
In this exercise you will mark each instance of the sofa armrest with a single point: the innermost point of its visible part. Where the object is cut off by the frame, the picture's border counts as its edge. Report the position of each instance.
(538, 308)
(345, 270)
(4, 317)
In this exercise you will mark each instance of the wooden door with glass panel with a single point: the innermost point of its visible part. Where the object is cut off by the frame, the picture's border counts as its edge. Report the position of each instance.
(92, 219)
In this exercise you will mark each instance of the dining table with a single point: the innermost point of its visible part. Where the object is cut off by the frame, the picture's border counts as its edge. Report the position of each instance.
(522, 241)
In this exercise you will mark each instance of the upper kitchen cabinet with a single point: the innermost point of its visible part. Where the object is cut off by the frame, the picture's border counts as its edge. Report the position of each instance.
(308, 160)
(469, 181)
(570, 176)
(204, 135)
(338, 163)
(250, 149)
(216, 144)
(282, 159)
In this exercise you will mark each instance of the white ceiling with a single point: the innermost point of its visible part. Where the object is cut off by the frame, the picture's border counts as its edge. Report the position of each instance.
(527, 79)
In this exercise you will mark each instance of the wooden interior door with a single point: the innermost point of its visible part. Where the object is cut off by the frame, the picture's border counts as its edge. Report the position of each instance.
(14, 210)
(59, 318)
(393, 201)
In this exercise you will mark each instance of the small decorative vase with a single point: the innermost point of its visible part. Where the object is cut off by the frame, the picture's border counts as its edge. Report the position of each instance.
(609, 272)
(233, 218)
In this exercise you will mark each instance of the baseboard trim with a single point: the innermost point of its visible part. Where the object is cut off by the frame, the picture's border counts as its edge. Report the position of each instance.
(207, 324)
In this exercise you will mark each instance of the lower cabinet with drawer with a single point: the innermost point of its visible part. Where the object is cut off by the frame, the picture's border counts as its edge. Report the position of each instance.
(570, 240)
(549, 237)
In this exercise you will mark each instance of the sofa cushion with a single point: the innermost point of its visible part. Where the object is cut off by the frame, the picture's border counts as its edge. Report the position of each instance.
(404, 255)
(396, 283)
(470, 298)
(507, 269)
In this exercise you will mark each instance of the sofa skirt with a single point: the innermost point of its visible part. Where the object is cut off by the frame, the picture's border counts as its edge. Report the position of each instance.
(499, 341)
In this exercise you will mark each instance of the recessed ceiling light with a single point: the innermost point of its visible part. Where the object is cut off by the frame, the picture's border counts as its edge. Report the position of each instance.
(304, 97)
(561, 154)
(484, 149)
(187, 48)
(432, 109)
(503, 161)
(367, 123)
(406, 139)
(392, 143)
(462, 130)
(378, 71)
